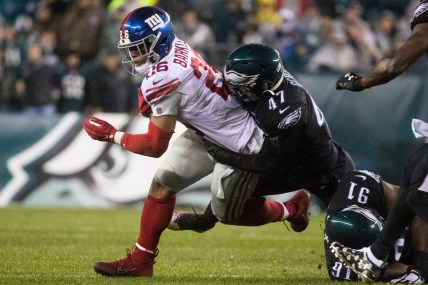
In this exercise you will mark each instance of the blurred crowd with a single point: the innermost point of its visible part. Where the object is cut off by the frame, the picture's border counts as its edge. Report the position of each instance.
(60, 55)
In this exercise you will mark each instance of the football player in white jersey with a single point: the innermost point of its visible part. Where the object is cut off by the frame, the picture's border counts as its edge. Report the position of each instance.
(179, 85)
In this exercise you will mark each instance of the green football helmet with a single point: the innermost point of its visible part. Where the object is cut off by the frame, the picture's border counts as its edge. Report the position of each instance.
(251, 70)
(354, 227)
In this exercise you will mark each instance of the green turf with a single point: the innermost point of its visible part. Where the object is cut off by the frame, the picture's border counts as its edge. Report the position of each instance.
(59, 246)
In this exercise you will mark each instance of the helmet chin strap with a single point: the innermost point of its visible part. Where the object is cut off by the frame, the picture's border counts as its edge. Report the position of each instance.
(279, 81)
(154, 57)
(270, 91)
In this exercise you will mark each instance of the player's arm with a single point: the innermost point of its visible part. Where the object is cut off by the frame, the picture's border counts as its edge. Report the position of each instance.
(394, 270)
(261, 162)
(153, 143)
(391, 192)
(389, 68)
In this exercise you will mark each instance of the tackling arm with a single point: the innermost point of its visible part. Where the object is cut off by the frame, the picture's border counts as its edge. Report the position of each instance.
(258, 163)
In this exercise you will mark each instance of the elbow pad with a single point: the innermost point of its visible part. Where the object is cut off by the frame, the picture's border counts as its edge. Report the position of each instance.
(154, 143)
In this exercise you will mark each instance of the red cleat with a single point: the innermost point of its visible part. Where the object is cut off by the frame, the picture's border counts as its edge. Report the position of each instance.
(300, 221)
(136, 264)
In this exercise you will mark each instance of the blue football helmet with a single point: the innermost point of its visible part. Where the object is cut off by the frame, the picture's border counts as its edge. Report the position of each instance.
(354, 226)
(146, 36)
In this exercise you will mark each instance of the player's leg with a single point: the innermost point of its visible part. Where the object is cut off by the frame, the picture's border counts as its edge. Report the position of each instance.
(420, 246)
(232, 202)
(186, 163)
(257, 210)
(156, 214)
(419, 267)
(418, 202)
(230, 189)
(260, 211)
(413, 178)
(418, 199)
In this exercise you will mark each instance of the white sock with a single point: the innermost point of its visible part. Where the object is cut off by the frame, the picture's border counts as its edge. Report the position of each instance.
(373, 258)
(286, 213)
(142, 248)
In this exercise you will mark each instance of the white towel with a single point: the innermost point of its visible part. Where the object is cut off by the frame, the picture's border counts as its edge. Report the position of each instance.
(419, 128)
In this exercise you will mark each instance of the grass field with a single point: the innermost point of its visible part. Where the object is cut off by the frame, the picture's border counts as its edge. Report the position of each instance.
(59, 246)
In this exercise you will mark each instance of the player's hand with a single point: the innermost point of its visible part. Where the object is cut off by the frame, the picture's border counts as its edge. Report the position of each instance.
(350, 81)
(99, 129)
(212, 148)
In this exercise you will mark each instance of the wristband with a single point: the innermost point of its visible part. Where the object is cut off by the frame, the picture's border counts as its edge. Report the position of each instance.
(117, 139)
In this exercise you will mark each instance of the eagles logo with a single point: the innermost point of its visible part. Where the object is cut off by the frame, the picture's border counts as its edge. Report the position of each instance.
(290, 120)
(241, 79)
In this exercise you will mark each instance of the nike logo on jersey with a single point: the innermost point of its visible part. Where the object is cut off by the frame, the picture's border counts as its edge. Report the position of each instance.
(156, 82)
(373, 175)
(290, 120)
(361, 176)
(283, 110)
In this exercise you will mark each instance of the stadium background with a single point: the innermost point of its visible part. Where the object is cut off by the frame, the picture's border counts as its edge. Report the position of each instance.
(46, 159)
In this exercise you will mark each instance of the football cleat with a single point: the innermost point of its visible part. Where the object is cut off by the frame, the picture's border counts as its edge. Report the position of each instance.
(412, 277)
(136, 264)
(301, 220)
(358, 261)
(189, 221)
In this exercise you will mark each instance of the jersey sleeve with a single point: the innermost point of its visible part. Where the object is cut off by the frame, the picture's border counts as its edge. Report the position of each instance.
(155, 88)
(168, 105)
(161, 90)
(420, 15)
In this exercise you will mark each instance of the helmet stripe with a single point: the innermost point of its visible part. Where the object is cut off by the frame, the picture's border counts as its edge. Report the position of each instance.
(124, 24)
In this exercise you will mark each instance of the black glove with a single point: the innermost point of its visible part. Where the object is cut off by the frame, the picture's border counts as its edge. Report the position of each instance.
(350, 81)
(212, 148)
(258, 163)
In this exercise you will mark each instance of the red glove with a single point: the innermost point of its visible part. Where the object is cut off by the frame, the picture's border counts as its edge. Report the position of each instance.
(99, 130)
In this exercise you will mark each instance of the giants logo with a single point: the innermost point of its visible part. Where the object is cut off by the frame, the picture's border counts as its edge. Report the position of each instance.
(155, 22)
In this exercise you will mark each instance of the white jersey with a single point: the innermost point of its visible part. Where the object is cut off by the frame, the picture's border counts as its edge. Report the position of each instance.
(183, 84)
